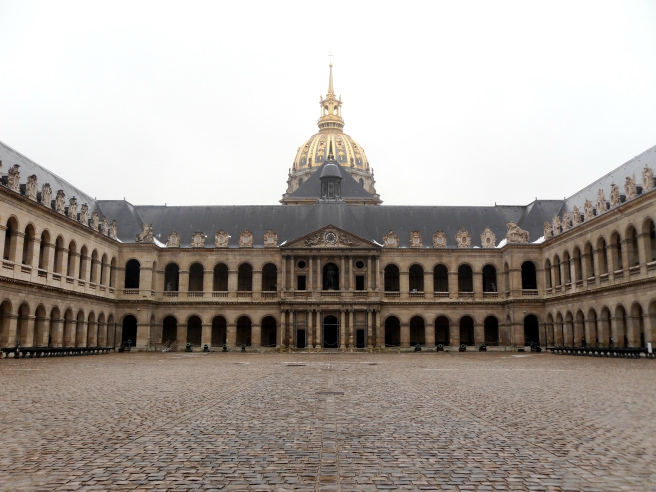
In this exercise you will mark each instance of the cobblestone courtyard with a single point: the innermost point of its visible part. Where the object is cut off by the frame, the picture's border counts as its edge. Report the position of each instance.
(493, 421)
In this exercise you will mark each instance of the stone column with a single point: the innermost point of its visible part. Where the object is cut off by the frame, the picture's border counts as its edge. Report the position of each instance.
(342, 276)
(369, 327)
(292, 272)
(351, 329)
(453, 285)
(309, 315)
(28, 336)
(319, 284)
(625, 258)
(257, 284)
(256, 335)
(146, 278)
(16, 247)
(310, 278)
(479, 333)
(71, 270)
(342, 331)
(614, 332)
(282, 274)
(208, 283)
(183, 281)
(9, 336)
(404, 284)
(454, 332)
(232, 283)
(478, 284)
(379, 277)
(351, 274)
(405, 334)
(650, 329)
(231, 335)
(92, 334)
(283, 329)
(36, 248)
(429, 335)
(429, 286)
(644, 250)
(206, 335)
(603, 325)
(94, 273)
(380, 330)
(81, 333)
(3, 232)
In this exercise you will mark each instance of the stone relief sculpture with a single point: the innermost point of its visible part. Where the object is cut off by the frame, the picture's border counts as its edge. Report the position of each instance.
(246, 239)
(615, 199)
(314, 240)
(46, 195)
(104, 227)
(588, 211)
(439, 239)
(390, 240)
(197, 239)
(221, 239)
(576, 216)
(488, 238)
(647, 179)
(95, 221)
(547, 230)
(463, 238)
(630, 189)
(566, 222)
(31, 188)
(415, 239)
(13, 178)
(270, 238)
(345, 240)
(174, 240)
(60, 202)
(601, 202)
(84, 214)
(112, 229)
(516, 234)
(146, 235)
(72, 208)
(555, 225)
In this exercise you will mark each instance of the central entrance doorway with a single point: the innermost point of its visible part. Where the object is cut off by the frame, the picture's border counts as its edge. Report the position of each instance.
(330, 332)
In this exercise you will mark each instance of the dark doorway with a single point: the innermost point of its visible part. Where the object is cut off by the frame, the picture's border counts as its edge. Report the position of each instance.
(219, 326)
(268, 335)
(129, 330)
(359, 339)
(194, 330)
(491, 331)
(330, 332)
(417, 331)
(300, 338)
(531, 330)
(467, 330)
(244, 331)
(132, 273)
(300, 284)
(359, 282)
(169, 329)
(442, 331)
(392, 332)
(330, 277)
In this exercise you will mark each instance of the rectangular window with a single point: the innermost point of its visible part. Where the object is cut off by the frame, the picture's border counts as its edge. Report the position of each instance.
(300, 282)
(359, 282)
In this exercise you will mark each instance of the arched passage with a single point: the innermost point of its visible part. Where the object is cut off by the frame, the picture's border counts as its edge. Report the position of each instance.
(40, 329)
(442, 335)
(56, 328)
(169, 329)
(22, 325)
(391, 278)
(330, 331)
(467, 330)
(440, 278)
(132, 274)
(636, 331)
(194, 330)
(129, 332)
(416, 280)
(489, 278)
(531, 330)
(620, 336)
(269, 278)
(417, 331)
(392, 332)
(220, 278)
(529, 278)
(268, 332)
(171, 277)
(244, 331)
(491, 331)
(465, 279)
(219, 331)
(245, 278)
(81, 330)
(196, 275)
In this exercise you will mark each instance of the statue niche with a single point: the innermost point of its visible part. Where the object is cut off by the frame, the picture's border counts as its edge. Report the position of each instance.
(330, 277)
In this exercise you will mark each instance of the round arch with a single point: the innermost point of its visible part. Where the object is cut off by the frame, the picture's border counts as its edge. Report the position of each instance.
(392, 331)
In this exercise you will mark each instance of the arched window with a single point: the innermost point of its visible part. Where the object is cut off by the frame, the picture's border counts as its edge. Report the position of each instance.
(578, 264)
(268, 332)
(104, 269)
(616, 251)
(84, 261)
(169, 329)
(567, 276)
(59, 255)
(244, 331)
(547, 273)
(112, 272)
(129, 333)
(531, 330)
(132, 274)
(245, 278)
(269, 278)
(621, 339)
(171, 277)
(28, 245)
(632, 246)
(330, 277)
(196, 274)
(491, 331)
(440, 278)
(70, 261)
(220, 283)
(650, 231)
(44, 250)
(529, 278)
(465, 279)
(391, 278)
(602, 256)
(556, 271)
(589, 260)
(416, 278)
(93, 270)
(10, 240)
(489, 279)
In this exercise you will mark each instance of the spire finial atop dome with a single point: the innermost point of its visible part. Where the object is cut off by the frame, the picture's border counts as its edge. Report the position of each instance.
(330, 77)
(330, 119)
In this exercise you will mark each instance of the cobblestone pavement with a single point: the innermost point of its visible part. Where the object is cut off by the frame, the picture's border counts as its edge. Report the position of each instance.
(425, 421)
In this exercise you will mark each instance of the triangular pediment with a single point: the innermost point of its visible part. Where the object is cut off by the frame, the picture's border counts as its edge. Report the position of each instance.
(330, 237)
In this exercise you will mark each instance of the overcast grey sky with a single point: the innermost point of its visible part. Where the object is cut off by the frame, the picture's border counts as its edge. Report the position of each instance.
(455, 103)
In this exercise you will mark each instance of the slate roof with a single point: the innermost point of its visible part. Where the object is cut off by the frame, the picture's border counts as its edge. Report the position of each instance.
(617, 176)
(350, 188)
(293, 221)
(9, 157)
